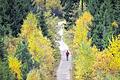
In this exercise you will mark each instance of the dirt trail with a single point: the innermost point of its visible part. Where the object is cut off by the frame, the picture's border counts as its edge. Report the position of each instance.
(65, 67)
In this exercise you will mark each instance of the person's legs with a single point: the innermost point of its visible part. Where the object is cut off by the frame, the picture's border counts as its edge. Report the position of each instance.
(67, 57)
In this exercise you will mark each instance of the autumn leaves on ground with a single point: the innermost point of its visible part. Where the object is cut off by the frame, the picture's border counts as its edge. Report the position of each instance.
(28, 35)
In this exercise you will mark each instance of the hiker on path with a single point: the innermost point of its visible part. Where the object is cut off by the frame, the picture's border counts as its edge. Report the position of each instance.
(67, 55)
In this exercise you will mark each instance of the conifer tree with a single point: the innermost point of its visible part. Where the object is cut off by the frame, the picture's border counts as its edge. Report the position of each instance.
(18, 10)
(116, 15)
(23, 55)
(101, 30)
(70, 11)
(12, 13)
(4, 17)
(3, 27)
(43, 24)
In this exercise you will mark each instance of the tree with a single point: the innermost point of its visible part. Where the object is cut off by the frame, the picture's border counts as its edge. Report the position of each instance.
(12, 13)
(15, 67)
(101, 30)
(116, 15)
(48, 4)
(43, 7)
(5, 73)
(70, 11)
(4, 17)
(23, 55)
(42, 23)
(2, 49)
(83, 53)
(107, 63)
(38, 46)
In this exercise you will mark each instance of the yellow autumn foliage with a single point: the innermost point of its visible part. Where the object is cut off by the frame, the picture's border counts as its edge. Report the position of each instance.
(33, 75)
(84, 56)
(39, 47)
(15, 66)
(87, 17)
(114, 50)
(89, 62)
(108, 61)
(81, 29)
(114, 24)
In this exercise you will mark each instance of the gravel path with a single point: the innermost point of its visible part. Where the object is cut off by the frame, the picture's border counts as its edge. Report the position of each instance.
(65, 67)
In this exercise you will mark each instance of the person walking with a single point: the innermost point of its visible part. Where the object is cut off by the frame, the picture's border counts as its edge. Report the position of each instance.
(67, 55)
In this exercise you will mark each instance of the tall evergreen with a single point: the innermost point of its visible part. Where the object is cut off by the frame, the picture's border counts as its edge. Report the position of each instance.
(4, 17)
(41, 9)
(18, 10)
(116, 15)
(70, 11)
(101, 30)
(25, 57)
(43, 24)
(4, 26)
(2, 48)
(12, 13)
